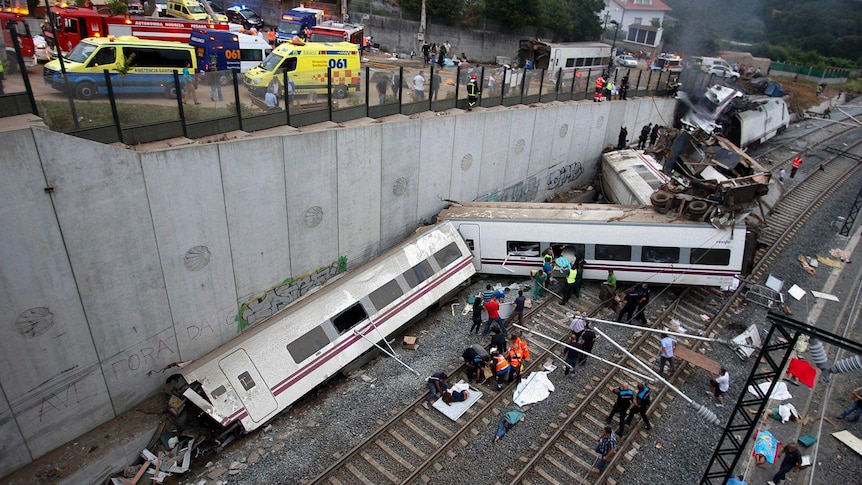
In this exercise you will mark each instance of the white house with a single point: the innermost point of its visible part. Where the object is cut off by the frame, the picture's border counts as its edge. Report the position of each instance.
(637, 20)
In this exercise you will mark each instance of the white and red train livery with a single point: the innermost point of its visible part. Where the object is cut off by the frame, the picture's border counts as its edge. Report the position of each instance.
(639, 244)
(250, 379)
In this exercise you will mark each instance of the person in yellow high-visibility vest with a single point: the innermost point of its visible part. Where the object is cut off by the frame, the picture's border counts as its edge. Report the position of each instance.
(571, 276)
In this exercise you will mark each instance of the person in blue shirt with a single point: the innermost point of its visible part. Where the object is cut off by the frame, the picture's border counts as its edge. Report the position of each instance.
(487, 294)
(737, 480)
(625, 396)
(501, 295)
(640, 406)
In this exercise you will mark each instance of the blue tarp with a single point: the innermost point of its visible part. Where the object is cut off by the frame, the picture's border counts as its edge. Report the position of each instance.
(773, 89)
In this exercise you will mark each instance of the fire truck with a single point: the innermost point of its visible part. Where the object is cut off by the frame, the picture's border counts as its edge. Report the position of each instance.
(331, 31)
(74, 24)
(25, 40)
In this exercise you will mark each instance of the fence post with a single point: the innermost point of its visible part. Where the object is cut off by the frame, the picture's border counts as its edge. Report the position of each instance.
(284, 81)
(457, 83)
(503, 85)
(328, 91)
(182, 113)
(523, 81)
(541, 83)
(113, 101)
(400, 86)
(431, 89)
(238, 106)
(367, 92)
(481, 82)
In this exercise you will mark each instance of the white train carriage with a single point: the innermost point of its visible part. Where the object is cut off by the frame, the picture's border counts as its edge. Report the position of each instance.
(759, 124)
(639, 244)
(262, 371)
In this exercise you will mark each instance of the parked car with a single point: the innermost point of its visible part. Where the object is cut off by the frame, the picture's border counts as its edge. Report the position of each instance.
(246, 17)
(626, 60)
(722, 71)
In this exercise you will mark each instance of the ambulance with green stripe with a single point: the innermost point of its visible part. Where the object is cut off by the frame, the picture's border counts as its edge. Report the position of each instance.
(307, 65)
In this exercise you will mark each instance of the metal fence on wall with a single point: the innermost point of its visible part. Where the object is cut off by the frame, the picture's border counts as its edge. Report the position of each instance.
(147, 108)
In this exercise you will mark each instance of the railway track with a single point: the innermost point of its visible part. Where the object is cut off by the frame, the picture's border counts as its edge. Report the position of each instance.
(567, 453)
(414, 444)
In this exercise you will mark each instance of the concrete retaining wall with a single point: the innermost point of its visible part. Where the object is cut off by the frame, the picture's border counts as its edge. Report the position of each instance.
(116, 264)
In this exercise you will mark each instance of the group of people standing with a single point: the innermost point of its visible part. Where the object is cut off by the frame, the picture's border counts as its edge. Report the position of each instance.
(649, 133)
(435, 54)
(607, 88)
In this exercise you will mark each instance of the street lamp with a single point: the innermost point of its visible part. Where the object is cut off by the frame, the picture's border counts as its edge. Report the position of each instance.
(613, 47)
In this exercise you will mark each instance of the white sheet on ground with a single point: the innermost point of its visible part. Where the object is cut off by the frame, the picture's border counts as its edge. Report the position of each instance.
(537, 387)
(786, 410)
(780, 393)
(457, 409)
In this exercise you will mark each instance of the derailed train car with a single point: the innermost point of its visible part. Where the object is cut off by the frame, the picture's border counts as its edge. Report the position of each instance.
(246, 382)
(638, 243)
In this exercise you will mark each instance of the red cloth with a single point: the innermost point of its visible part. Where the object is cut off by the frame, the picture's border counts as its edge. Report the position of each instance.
(803, 371)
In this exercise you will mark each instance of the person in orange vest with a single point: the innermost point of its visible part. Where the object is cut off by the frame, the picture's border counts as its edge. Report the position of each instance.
(795, 166)
(516, 359)
(600, 84)
(501, 368)
(270, 37)
(517, 342)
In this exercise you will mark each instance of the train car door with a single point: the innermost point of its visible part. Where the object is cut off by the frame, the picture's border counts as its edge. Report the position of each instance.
(470, 233)
(249, 385)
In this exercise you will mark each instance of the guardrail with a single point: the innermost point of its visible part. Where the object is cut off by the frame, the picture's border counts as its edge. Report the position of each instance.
(140, 108)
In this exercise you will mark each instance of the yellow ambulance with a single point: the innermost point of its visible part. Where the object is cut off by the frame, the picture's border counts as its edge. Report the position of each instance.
(190, 10)
(307, 65)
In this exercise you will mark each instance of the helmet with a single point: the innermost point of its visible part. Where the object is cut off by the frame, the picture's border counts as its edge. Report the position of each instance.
(473, 76)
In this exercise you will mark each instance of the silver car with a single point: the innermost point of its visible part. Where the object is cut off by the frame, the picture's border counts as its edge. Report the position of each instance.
(626, 60)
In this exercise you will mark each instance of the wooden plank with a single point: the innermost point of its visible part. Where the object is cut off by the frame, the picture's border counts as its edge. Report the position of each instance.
(422, 434)
(697, 359)
(850, 440)
(395, 456)
(380, 468)
(140, 473)
(358, 474)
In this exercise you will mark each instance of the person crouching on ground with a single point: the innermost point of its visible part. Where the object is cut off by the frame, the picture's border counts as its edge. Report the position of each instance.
(719, 384)
(501, 368)
(436, 386)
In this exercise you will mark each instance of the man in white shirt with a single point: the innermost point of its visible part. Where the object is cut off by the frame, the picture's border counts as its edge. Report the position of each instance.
(271, 100)
(668, 344)
(578, 324)
(719, 384)
(419, 87)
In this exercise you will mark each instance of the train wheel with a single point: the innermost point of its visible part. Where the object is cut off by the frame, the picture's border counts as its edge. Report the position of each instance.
(85, 90)
(697, 208)
(660, 201)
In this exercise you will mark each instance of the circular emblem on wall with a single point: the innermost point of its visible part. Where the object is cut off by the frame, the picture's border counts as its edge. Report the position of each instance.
(197, 258)
(466, 162)
(564, 130)
(519, 146)
(600, 120)
(313, 216)
(34, 322)
(400, 187)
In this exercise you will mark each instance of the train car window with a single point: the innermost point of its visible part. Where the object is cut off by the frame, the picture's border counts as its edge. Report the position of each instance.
(306, 346)
(246, 380)
(347, 319)
(613, 252)
(386, 294)
(656, 254)
(573, 252)
(218, 391)
(522, 248)
(448, 255)
(470, 244)
(418, 274)
(711, 257)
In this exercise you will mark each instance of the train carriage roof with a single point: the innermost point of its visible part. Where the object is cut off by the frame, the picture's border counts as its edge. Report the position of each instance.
(549, 212)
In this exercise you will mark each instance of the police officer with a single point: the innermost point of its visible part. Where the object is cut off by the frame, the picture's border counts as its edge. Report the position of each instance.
(624, 400)
(641, 404)
(472, 92)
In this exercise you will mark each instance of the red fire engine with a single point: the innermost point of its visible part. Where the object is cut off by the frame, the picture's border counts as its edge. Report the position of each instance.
(74, 24)
(28, 50)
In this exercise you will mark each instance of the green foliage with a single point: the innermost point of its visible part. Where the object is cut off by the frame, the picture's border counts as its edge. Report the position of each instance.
(513, 14)
(118, 7)
(561, 20)
(448, 11)
(342, 264)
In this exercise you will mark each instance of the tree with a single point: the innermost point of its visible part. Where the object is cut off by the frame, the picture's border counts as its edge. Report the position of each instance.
(512, 14)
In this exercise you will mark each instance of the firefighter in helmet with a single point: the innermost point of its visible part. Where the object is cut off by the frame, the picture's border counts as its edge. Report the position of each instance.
(472, 92)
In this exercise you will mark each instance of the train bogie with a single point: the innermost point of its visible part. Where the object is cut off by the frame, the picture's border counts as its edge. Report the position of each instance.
(261, 372)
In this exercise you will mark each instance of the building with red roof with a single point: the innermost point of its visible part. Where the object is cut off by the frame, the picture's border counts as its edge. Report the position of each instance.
(640, 21)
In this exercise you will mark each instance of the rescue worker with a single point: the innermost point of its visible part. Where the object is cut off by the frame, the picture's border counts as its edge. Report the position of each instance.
(797, 162)
(270, 37)
(630, 305)
(475, 358)
(600, 84)
(624, 87)
(569, 288)
(640, 406)
(645, 293)
(473, 92)
(501, 368)
(548, 265)
(517, 342)
(624, 400)
(516, 359)
(672, 87)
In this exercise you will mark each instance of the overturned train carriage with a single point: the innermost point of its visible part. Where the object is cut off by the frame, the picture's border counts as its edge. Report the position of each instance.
(638, 243)
(253, 377)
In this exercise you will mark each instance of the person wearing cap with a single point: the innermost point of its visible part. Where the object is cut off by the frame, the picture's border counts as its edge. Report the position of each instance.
(606, 448)
(472, 92)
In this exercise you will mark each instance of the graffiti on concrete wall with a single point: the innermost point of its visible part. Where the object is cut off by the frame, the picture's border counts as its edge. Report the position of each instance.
(209, 326)
(564, 175)
(275, 299)
(520, 192)
(150, 359)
